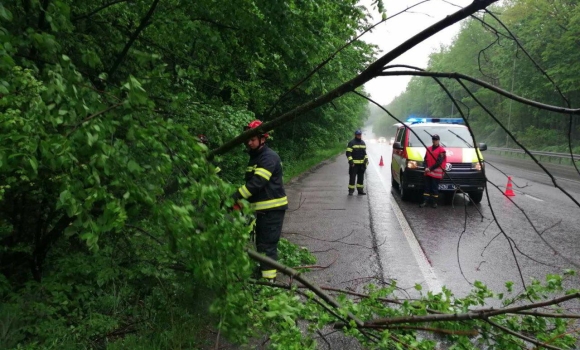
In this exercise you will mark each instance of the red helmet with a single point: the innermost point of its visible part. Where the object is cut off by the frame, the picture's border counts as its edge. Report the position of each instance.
(254, 124)
(203, 139)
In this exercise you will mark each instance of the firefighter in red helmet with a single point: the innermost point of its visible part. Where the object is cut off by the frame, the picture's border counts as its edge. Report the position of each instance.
(264, 189)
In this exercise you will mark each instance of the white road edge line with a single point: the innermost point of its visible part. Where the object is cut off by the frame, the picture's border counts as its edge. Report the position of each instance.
(426, 269)
(534, 198)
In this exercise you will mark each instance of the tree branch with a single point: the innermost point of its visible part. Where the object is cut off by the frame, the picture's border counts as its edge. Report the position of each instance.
(145, 233)
(42, 17)
(144, 23)
(459, 76)
(385, 300)
(523, 337)
(298, 276)
(469, 333)
(471, 315)
(93, 116)
(44, 244)
(98, 9)
(547, 314)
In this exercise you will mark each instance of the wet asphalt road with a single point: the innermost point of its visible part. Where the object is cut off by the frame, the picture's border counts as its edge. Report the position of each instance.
(536, 233)
(378, 238)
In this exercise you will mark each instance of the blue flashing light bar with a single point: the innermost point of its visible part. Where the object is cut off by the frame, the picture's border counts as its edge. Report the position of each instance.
(415, 120)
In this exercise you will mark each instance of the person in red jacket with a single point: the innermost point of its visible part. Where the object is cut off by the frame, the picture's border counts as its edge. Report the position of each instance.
(434, 164)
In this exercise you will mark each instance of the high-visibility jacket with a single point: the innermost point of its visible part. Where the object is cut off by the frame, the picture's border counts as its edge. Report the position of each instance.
(435, 160)
(264, 187)
(356, 152)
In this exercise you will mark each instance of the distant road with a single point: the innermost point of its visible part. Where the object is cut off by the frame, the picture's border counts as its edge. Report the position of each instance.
(566, 176)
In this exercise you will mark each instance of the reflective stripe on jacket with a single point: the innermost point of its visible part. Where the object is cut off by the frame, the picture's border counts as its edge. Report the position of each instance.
(264, 187)
(356, 151)
(436, 161)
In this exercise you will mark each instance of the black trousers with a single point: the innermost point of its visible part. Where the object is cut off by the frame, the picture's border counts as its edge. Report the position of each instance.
(356, 173)
(431, 190)
(268, 230)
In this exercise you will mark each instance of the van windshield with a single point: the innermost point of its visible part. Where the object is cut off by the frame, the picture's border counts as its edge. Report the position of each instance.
(450, 136)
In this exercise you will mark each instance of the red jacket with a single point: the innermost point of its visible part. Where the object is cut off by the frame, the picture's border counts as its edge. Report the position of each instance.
(435, 160)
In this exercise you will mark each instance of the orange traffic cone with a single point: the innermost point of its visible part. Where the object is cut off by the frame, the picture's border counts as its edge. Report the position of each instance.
(381, 162)
(509, 191)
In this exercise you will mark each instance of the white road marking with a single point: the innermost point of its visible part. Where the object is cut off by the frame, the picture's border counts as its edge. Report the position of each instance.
(424, 266)
(534, 198)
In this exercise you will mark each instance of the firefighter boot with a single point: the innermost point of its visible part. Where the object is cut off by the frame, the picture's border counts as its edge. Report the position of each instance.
(350, 193)
(434, 200)
(362, 193)
(423, 204)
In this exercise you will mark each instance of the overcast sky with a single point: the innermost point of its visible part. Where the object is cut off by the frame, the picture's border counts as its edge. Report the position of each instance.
(396, 30)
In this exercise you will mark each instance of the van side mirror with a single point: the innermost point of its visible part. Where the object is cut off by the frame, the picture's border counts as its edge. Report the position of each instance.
(397, 145)
(482, 146)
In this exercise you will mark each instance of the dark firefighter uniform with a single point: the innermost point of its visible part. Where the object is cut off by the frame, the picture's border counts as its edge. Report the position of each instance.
(265, 192)
(356, 153)
(435, 161)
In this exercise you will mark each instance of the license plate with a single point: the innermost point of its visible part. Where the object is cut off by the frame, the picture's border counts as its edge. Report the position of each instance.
(447, 187)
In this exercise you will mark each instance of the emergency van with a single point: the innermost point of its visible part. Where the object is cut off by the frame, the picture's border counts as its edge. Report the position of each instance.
(464, 169)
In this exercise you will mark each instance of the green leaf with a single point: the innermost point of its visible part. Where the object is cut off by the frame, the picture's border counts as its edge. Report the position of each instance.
(4, 13)
(64, 197)
(34, 164)
(92, 138)
(133, 166)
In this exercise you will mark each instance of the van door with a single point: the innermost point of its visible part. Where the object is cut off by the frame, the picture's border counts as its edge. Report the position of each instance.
(397, 161)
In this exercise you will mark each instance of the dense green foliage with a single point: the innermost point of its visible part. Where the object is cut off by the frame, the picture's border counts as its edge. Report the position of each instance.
(100, 105)
(115, 230)
(548, 31)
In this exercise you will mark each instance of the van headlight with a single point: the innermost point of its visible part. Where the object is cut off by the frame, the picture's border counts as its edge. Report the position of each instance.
(477, 166)
(413, 164)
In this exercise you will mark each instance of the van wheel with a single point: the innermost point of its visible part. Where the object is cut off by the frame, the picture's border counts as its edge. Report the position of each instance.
(476, 197)
(403, 190)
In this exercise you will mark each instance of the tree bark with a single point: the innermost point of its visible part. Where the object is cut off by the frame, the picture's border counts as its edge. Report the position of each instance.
(44, 244)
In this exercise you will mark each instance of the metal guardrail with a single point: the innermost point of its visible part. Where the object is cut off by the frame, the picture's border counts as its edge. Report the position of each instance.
(539, 154)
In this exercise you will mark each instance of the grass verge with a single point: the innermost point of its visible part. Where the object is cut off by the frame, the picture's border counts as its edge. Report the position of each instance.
(296, 168)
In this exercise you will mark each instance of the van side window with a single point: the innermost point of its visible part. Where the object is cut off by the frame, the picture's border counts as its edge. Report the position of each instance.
(401, 135)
